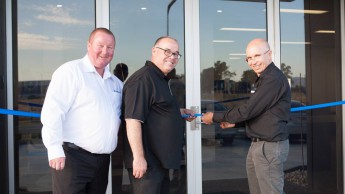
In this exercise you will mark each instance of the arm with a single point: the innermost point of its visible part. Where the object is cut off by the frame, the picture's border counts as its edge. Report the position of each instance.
(207, 118)
(58, 100)
(267, 94)
(134, 135)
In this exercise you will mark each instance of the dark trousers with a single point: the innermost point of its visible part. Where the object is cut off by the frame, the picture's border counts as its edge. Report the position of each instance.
(84, 173)
(155, 181)
(178, 183)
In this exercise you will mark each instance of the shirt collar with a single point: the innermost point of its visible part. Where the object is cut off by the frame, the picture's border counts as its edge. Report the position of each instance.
(89, 67)
(267, 69)
(156, 70)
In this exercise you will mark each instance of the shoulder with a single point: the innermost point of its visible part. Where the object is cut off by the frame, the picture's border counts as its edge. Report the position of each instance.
(274, 72)
(68, 73)
(69, 67)
(141, 75)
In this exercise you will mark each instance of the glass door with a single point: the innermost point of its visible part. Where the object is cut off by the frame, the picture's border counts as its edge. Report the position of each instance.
(137, 25)
(225, 81)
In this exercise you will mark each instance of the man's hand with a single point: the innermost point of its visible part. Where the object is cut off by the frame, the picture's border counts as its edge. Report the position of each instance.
(188, 112)
(139, 167)
(207, 118)
(224, 125)
(57, 163)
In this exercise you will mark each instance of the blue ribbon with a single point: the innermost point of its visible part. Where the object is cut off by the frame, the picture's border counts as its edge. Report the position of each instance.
(189, 115)
(317, 106)
(19, 113)
(302, 108)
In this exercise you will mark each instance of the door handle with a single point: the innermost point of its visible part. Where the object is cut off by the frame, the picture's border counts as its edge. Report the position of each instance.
(195, 124)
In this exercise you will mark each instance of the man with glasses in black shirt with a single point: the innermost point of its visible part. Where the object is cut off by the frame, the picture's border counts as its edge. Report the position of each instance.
(265, 114)
(154, 125)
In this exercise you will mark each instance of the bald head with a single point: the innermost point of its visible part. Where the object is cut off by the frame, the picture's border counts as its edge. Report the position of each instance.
(259, 55)
(258, 43)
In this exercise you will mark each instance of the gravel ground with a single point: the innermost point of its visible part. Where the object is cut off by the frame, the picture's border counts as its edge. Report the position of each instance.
(298, 177)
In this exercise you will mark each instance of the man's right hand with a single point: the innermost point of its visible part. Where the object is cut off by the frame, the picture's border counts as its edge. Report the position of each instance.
(57, 163)
(207, 118)
(224, 125)
(139, 167)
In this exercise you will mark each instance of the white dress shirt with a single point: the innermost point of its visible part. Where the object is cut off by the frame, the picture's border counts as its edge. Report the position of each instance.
(81, 107)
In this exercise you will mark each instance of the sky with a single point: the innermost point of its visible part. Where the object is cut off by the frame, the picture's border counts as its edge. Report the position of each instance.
(52, 32)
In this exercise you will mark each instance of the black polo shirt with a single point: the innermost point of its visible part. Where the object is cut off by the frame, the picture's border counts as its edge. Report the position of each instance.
(148, 98)
(267, 111)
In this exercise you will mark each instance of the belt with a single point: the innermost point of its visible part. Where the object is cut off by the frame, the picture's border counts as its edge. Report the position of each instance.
(75, 147)
(257, 139)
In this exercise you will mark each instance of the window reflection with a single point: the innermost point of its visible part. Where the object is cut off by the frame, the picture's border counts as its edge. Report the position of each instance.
(49, 34)
(226, 27)
(309, 48)
(294, 48)
(136, 26)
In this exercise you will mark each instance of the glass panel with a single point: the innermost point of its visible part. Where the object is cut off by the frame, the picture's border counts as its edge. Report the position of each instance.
(294, 48)
(49, 34)
(226, 27)
(310, 56)
(137, 25)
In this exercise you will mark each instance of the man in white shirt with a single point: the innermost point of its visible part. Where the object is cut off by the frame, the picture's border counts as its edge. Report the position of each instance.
(81, 118)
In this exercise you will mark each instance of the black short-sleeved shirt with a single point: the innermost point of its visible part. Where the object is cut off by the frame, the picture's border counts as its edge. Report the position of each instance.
(267, 111)
(148, 98)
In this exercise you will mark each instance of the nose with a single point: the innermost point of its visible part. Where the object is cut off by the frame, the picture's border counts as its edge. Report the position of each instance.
(250, 61)
(107, 49)
(253, 60)
(172, 57)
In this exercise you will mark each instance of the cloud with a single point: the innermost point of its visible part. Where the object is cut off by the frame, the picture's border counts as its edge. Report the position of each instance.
(59, 15)
(27, 41)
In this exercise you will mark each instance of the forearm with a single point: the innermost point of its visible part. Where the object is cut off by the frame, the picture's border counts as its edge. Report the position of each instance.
(218, 117)
(134, 135)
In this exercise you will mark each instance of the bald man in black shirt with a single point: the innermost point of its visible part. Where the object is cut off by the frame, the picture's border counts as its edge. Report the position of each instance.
(265, 114)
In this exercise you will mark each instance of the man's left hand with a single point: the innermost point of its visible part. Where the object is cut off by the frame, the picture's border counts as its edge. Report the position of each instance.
(188, 112)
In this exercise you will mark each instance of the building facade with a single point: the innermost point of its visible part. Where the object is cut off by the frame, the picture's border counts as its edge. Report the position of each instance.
(308, 45)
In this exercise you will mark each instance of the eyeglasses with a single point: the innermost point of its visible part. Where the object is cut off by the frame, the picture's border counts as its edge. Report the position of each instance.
(169, 53)
(255, 57)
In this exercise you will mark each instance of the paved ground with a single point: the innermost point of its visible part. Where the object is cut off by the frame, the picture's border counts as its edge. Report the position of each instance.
(240, 186)
(223, 168)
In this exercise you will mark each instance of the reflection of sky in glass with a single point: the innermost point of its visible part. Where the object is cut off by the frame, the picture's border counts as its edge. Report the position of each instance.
(51, 33)
(215, 15)
(292, 30)
(137, 29)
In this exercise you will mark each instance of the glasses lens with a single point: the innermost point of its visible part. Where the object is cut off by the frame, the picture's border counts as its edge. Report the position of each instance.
(168, 53)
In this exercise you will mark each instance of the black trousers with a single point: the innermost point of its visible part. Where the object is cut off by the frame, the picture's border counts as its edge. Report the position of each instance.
(155, 181)
(84, 173)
